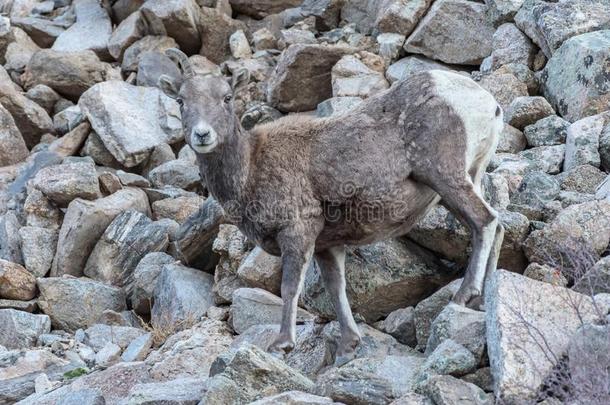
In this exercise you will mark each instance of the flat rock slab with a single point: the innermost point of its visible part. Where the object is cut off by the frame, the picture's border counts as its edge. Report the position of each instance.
(529, 324)
(21, 329)
(131, 120)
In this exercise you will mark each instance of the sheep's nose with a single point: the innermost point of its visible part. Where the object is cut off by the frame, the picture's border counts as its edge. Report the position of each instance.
(202, 134)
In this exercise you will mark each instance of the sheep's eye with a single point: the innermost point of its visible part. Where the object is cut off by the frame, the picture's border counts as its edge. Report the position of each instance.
(180, 102)
(228, 98)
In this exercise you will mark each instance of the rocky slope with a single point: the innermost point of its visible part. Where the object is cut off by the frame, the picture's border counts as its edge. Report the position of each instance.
(116, 287)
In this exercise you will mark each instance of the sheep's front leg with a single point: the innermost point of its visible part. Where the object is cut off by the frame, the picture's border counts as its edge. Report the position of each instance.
(296, 257)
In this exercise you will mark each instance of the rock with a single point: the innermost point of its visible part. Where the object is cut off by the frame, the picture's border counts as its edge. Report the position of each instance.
(412, 398)
(176, 173)
(16, 283)
(482, 378)
(150, 43)
(354, 386)
(336, 105)
(510, 45)
(293, 397)
(511, 140)
(152, 65)
(448, 390)
(74, 303)
(240, 382)
(39, 211)
(108, 355)
(295, 36)
(240, 48)
(524, 111)
(178, 391)
(131, 179)
(596, 280)
(181, 19)
(68, 181)
(448, 358)
(21, 329)
(67, 119)
(573, 78)
(547, 274)
(495, 191)
(302, 77)
(536, 189)
(583, 179)
(91, 31)
(12, 146)
(501, 11)
(128, 238)
(18, 53)
(410, 65)
(361, 14)
(453, 31)
(38, 249)
(178, 209)
(44, 96)
(505, 87)
(43, 32)
(191, 352)
(253, 306)
(524, 74)
(68, 73)
(132, 28)
(401, 325)
(390, 45)
(548, 131)
(143, 281)
(379, 274)
(216, 27)
(262, 8)
(549, 159)
(352, 78)
(428, 309)
(580, 229)
(95, 149)
(85, 222)
(138, 349)
(231, 247)
(181, 296)
(461, 325)
(522, 313)
(131, 120)
(400, 16)
(261, 270)
(263, 39)
(30, 118)
(582, 141)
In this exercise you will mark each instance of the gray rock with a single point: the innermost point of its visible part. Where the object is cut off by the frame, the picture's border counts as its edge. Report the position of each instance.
(448, 358)
(549, 159)
(505, 87)
(596, 280)
(177, 209)
(448, 390)
(231, 247)
(99, 335)
(573, 78)
(95, 149)
(583, 179)
(181, 296)
(138, 349)
(240, 48)
(175, 173)
(351, 77)
(501, 11)
(379, 274)
(522, 313)
(39, 211)
(108, 355)
(453, 31)
(409, 65)
(74, 303)
(361, 13)
(154, 64)
(150, 43)
(262, 8)
(21, 329)
(263, 39)
(68, 73)
(293, 397)
(178, 391)
(90, 32)
(482, 378)
(68, 119)
(354, 386)
(38, 249)
(131, 120)
(16, 283)
(524, 111)
(545, 273)
(85, 222)
(68, 181)
(401, 325)
(511, 140)
(536, 189)
(215, 28)
(302, 77)
(390, 45)
(42, 31)
(143, 281)
(495, 190)
(132, 28)
(12, 146)
(412, 398)
(44, 96)
(582, 141)
(336, 106)
(261, 270)
(400, 16)
(240, 381)
(128, 238)
(551, 130)
(253, 306)
(18, 53)
(510, 45)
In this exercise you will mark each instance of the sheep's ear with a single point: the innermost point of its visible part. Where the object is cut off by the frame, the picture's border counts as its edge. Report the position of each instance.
(241, 77)
(169, 86)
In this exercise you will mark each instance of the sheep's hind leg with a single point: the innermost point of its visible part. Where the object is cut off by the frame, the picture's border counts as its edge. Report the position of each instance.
(332, 267)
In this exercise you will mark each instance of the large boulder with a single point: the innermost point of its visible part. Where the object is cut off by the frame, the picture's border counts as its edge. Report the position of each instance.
(453, 31)
(21, 329)
(91, 30)
(16, 283)
(382, 277)
(131, 120)
(302, 77)
(12, 146)
(575, 79)
(85, 222)
(74, 303)
(181, 19)
(68, 73)
(529, 325)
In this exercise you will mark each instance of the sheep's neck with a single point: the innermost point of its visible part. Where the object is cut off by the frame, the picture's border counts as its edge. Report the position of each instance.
(226, 170)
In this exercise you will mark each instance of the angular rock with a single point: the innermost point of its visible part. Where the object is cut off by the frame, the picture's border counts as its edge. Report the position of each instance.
(401, 325)
(181, 19)
(501, 11)
(409, 65)
(178, 391)
(302, 77)
(128, 238)
(400, 16)
(448, 358)
(99, 335)
(453, 31)
(412, 398)
(529, 325)
(511, 140)
(18, 53)
(74, 303)
(150, 43)
(179, 209)
(353, 386)
(68, 73)
(548, 131)
(293, 397)
(176, 173)
(575, 78)
(336, 105)
(524, 111)
(547, 274)
(262, 8)
(582, 141)
(43, 32)
(108, 355)
(510, 45)
(138, 349)
(182, 295)
(596, 280)
(142, 283)
(448, 390)
(68, 181)
(264, 39)
(216, 27)
(536, 189)
(583, 179)
(38, 249)
(21, 329)
(253, 306)
(40, 212)
(240, 48)
(152, 65)
(505, 87)
(549, 159)
(16, 283)
(390, 45)
(131, 120)
(135, 26)
(44, 96)
(261, 270)
(353, 78)
(68, 119)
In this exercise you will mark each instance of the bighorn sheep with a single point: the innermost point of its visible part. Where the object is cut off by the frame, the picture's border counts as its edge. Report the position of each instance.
(296, 185)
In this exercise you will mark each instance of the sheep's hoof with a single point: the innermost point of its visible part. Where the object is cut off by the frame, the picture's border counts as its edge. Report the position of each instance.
(281, 347)
(347, 349)
(466, 294)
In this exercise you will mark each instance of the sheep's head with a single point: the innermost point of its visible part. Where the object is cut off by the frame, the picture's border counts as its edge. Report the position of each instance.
(206, 103)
